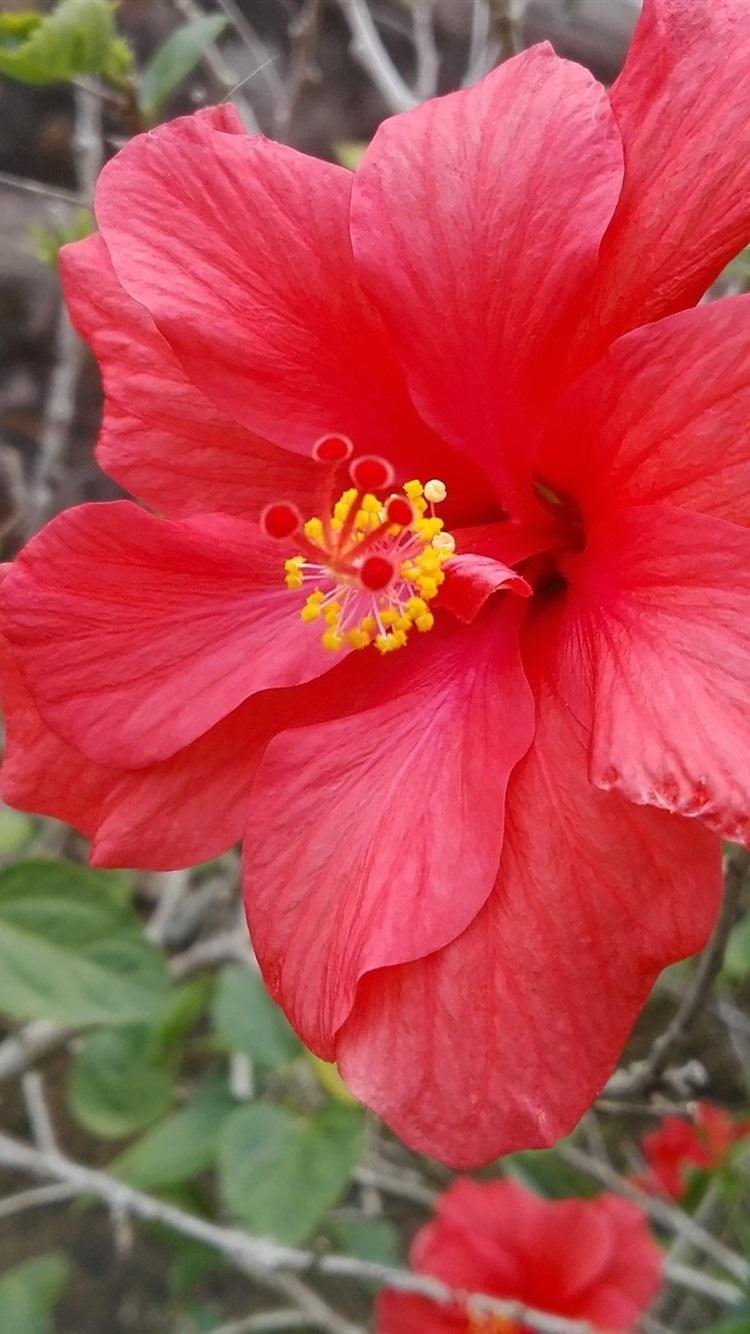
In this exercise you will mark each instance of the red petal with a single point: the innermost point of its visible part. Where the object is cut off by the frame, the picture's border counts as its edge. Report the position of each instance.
(471, 579)
(684, 210)
(476, 221)
(663, 600)
(400, 1313)
(161, 437)
(136, 635)
(375, 838)
(185, 810)
(239, 248)
(662, 416)
(488, 1045)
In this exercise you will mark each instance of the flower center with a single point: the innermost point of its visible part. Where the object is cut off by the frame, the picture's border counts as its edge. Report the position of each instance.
(372, 564)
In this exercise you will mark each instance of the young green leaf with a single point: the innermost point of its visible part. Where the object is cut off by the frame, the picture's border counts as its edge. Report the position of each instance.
(29, 1292)
(69, 951)
(120, 1082)
(280, 1173)
(78, 37)
(248, 1021)
(174, 60)
(179, 1147)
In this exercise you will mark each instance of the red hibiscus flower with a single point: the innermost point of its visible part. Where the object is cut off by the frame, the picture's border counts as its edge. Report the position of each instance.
(591, 1260)
(678, 1145)
(443, 601)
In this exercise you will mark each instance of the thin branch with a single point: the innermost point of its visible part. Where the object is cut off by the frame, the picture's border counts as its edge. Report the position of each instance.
(425, 47)
(264, 1261)
(219, 70)
(55, 192)
(676, 1220)
(369, 50)
(37, 1197)
(695, 1281)
(263, 1323)
(648, 1072)
(400, 1186)
(29, 1044)
(38, 1112)
(59, 409)
(257, 49)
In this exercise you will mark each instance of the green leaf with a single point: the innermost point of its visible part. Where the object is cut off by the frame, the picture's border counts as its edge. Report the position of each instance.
(78, 37)
(16, 831)
(179, 1147)
(248, 1021)
(543, 1171)
(48, 241)
(738, 1323)
(280, 1173)
(174, 60)
(373, 1239)
(29, 1292)
(736, 965)
(349, 152)
(119, 1082)
(69, 951)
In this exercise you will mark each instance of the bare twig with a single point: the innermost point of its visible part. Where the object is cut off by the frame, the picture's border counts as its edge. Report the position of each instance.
(369, 50)
(696, 1281)
(258, 51)
(648, 1072)
(676, 1220)
(303, 36)
(39, 1196)
(425, 47)
(55, 192)
(400, 1186)
(265, 1261)
(38, 1112)
(29, 1044)
(69, 351)
(263, 1323)
(219, 70)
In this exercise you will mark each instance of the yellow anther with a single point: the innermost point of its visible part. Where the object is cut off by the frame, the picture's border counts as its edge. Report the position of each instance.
(332, 613)
(413, 489)
(416, 607)
(435, 491)
(358, 638)
(310, 611)
(425, 622)
(314, 530)
(332, 641)
(428, 588)
(389, 616)
(369, 624)
(371, 505)
(293, 578)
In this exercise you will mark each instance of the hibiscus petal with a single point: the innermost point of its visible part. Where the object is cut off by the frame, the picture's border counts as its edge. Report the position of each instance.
(400, 1313)
(663, 600)
(190, 807)
(476, 221)
(161, 437)
(662, 416)
(252, 282)
(501, 1040)
(376, 838)
(40, 772)
(470, 579)
(684, 210)
(136, 635)
(184, 810)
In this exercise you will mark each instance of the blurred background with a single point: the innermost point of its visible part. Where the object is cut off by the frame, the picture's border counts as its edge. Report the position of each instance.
(175, 1073)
